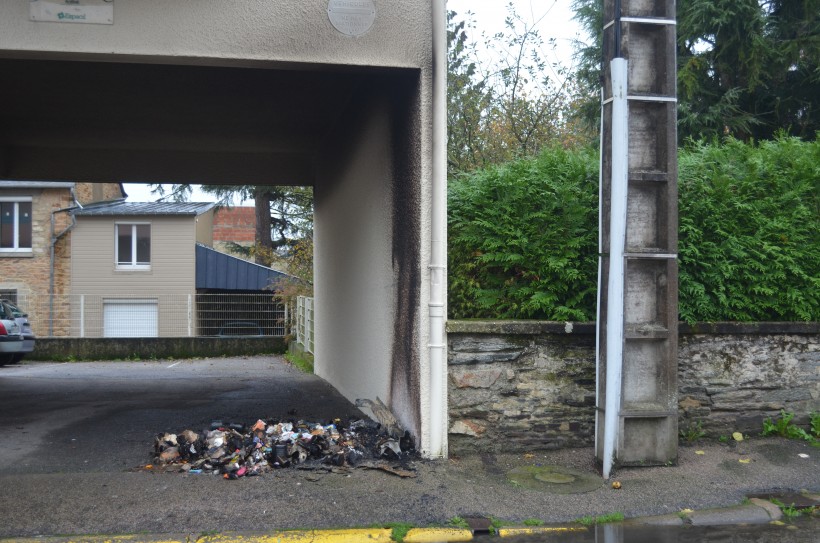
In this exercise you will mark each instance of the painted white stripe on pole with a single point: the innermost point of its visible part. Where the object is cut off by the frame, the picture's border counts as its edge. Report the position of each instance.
(617, 243)
(600, 271)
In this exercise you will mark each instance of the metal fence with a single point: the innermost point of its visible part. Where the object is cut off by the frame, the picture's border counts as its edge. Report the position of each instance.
(161, 315)
(304, 322)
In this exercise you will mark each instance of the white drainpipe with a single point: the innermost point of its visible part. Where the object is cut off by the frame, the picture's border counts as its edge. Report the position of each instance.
(617, 244)
(438, 251)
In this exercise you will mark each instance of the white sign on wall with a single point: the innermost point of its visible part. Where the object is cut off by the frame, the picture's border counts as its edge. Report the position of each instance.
(351, 17)
(72, 11)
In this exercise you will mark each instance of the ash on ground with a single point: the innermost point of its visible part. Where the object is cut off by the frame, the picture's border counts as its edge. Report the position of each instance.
(236, 451)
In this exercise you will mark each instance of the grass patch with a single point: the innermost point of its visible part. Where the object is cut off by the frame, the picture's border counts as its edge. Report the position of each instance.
(601, 519)
(533, 522)
(303, 361)
(790, 511)
(458, 522)
(692, 432)
(400, 530)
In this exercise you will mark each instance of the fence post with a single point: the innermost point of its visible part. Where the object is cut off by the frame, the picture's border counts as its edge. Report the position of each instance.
(309, 325)
(82, 315)
(190, 315)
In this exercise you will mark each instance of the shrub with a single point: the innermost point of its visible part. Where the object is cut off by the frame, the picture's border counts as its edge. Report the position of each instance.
(523, 236)
(523, 239)
(750, 231)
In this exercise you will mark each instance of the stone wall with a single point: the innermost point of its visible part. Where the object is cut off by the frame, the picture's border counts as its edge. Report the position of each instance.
(67, 349)
(29, 273)
(520, 386)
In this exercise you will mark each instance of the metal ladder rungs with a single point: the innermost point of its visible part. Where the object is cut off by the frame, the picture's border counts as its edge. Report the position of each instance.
(653, 256)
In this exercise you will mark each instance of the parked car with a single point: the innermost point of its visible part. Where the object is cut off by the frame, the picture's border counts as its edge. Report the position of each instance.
(11, 340)
(25, 330)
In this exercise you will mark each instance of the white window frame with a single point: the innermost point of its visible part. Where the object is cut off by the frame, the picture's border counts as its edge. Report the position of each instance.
(16, 200)
(133, 266)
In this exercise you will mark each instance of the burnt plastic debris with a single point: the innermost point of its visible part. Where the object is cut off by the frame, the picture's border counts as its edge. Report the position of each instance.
(244, 450)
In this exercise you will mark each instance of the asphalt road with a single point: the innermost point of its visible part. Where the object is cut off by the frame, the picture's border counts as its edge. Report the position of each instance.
(72, 434)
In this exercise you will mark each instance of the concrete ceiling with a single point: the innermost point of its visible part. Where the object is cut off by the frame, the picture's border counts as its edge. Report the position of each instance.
(95, 121)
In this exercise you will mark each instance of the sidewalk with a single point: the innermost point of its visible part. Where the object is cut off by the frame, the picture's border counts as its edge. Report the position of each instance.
(709, 485)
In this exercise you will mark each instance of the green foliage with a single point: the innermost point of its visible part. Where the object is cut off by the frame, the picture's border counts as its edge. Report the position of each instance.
(784, 427)
(749, 229)
(601, 519)
(692, 432)
(303, 361)
(458, 522)
(400, 530)
(790, 511)
(533, 522)
(497, 523)
(523, 239)
(746, 68)
(523, 236)
(815, 424)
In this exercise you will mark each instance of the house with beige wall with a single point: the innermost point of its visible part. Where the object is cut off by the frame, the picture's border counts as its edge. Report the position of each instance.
(133, 268)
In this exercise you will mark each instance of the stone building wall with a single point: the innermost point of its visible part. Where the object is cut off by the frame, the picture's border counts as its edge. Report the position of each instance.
(29, 273)
(521, 386)
(97, 192)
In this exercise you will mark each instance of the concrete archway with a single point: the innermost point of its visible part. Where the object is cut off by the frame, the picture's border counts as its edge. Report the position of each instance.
(272, 93)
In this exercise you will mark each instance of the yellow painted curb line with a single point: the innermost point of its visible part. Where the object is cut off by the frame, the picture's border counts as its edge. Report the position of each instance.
(92, 539)
(434, 535)
(536, 530)
(375, 535)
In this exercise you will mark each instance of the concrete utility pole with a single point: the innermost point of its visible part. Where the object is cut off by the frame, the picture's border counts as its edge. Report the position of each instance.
(636, 422)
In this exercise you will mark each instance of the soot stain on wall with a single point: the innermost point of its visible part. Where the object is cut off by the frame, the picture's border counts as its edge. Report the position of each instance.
(405, 135)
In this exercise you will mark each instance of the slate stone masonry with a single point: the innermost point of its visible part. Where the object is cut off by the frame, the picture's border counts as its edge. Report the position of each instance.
(519, 386)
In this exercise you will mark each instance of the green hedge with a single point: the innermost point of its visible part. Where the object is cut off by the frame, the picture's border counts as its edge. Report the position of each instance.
(523, 236)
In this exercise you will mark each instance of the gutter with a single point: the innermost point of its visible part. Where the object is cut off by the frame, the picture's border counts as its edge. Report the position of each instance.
(54, 240)
(437, 307)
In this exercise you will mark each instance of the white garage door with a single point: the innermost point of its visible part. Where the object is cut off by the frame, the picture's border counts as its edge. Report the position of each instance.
(130, 318)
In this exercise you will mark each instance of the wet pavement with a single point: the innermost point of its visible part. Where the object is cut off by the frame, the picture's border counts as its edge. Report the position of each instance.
(72, 435)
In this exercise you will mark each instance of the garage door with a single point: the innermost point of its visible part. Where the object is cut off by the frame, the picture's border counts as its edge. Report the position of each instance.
(130, 318)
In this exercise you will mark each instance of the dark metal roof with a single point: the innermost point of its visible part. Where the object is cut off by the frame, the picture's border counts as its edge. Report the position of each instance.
(144, 208)
(217, 270)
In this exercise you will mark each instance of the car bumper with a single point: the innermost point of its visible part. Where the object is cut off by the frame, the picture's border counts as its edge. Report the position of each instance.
(28, 345)
(11, 344)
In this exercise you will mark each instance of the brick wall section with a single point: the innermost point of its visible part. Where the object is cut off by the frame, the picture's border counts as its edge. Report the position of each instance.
(522, 386)
(236, 225)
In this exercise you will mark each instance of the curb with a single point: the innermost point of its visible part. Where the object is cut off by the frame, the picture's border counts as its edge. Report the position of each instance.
(756, 512)
(374, 535)
(438, 535)
(539, 530)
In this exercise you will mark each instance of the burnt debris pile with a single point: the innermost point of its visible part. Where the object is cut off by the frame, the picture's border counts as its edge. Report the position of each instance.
(235, 451)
